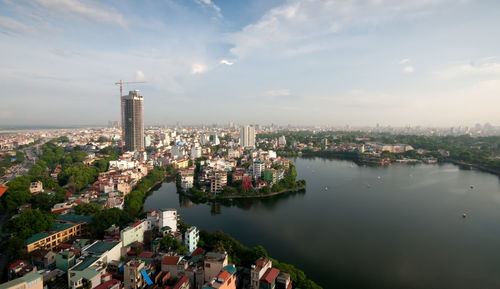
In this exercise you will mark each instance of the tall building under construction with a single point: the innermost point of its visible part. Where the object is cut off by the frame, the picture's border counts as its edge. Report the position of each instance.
(133, 121)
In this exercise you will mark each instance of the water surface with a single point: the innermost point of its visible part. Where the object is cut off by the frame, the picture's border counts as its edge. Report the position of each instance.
(373, 227)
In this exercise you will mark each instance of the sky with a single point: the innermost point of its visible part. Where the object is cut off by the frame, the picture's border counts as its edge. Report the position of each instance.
(299, 62)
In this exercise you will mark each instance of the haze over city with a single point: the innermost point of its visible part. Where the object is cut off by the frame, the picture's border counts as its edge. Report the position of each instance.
(431, 63)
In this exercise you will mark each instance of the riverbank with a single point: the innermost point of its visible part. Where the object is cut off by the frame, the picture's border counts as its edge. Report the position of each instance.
(254, 196)
(476, 166)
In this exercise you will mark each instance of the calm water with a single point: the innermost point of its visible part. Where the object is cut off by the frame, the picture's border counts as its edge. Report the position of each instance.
(394, 227)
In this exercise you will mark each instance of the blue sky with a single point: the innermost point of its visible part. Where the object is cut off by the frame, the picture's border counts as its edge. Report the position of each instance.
(418, 62)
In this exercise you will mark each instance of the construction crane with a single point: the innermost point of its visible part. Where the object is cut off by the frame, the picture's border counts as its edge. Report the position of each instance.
(121, 83)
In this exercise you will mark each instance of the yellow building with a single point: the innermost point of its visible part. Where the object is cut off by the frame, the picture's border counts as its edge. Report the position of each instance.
(66, 227)
(29, 281)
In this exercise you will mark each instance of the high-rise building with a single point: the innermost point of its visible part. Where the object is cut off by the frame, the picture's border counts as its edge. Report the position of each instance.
(247, 136)
(133, 118)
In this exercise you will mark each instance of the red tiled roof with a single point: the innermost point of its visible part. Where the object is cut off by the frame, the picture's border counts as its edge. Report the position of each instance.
(270, 275)
(146, 254)
(107, 284)
(16, 264)
(179, 283)
(170, 260)
(198, 251)
(136, 224)
(289, 285)
(3, 189)
(224, 275)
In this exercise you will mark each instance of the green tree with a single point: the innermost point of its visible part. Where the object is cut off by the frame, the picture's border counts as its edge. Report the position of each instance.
(30, 222)
(90, 209)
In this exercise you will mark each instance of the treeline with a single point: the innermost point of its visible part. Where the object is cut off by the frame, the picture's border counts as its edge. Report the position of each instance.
(241, 255)
(135, 200)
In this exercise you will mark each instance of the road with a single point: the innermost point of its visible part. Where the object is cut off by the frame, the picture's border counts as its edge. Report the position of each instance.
(30, 157)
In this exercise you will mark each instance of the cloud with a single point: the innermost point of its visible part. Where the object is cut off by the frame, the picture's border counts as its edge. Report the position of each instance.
(226, 62)
(12, 26)
(296, 24)
(403, 61)
(209, 3)
(198, 68)
(481, 67)
(408, 69)
(278, 92)
(38, 10)
(139, 75)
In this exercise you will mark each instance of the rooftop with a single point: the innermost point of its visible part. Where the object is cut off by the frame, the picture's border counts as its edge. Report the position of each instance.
(36, 237)
(85, 264)
(61, 227)
(26, 278)
(270, 275)
(101, 247)
(170, 260)
(75, 218)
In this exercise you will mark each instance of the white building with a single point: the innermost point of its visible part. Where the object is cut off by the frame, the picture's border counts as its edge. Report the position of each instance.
(257, 168)
(247, 136)
(168, 217)
(191, 238)
(187, 182)
(133, 233)
(282, 141)
(195, 152)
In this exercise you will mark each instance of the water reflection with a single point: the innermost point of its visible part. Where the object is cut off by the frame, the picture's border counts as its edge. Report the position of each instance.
(268, 203)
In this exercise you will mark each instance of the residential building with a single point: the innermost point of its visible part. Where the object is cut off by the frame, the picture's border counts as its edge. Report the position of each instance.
(65, 260)
(218, 181)
(133, 121)
(213, 264)
(268, 280)
(226, 279)
(258, 270)
(133, 277)
(247, 136)
(36, 187)
(257, 168)
(133, 233)
(191, 238)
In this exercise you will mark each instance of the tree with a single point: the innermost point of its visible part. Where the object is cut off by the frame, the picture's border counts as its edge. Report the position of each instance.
(30, 222)
(90, 209)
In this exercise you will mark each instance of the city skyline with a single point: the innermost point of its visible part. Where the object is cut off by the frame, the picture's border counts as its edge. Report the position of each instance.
(428, 63)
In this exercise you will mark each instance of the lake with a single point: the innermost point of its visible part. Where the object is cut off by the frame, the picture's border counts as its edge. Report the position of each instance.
(369, 227)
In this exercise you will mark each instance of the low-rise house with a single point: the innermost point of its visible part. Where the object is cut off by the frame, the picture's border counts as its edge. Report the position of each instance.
(36, 187)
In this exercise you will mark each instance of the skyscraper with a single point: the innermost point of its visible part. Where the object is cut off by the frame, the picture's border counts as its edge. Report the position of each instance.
(247, 136)
(133, 123)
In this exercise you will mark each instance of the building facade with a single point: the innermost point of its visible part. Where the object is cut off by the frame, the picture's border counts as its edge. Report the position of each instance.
(247, 136)
(133, 121)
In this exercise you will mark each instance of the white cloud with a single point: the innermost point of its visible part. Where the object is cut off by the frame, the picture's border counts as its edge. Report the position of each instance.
(403, 61)
(139, 75)
(408, 69)
(11, 25)
(198, 68)
(296, 24)
(481, 67)
(278, 92)
(38, 10)
(209, 3)
(226, 62)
